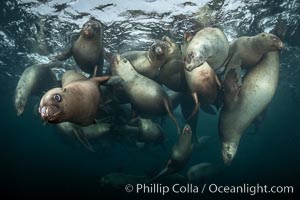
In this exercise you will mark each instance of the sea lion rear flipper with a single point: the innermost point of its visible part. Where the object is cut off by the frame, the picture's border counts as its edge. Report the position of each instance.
(196, 108)
(83, 140)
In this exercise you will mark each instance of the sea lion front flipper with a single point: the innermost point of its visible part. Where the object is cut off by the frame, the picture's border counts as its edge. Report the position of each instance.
(102, 79)
(65, 55)
(218, 81)
(160, 174)
(95, 71)
(133, 121)
(116, 81)
(231, 88)
(83, 140)
(235, 64)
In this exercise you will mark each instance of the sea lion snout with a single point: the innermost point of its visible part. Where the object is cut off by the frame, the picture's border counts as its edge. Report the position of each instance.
(280, 45)
(50, 108)
(116, 59)
(229, 150)
(159, 50)
(193, 60)
(91, 28)
(187, 129)
(19, 106)
(50, 114)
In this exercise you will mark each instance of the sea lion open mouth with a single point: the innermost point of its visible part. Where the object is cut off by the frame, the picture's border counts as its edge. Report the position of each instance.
(50, 113)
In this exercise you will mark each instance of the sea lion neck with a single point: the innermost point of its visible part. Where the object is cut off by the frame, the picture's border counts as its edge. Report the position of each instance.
(94, 38)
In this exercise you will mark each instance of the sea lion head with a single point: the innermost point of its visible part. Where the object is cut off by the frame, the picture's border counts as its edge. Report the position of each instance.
(171, 45)
(52, 105)
(193, 59)
(119, 61)
(158, 51)
(270, 42)
(229, 150)
(185, 138)
(91, 29)
(187, 130)
(20, 101)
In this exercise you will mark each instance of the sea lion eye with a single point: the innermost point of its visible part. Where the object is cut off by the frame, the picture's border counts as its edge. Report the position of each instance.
(263, 35)
(57, 98)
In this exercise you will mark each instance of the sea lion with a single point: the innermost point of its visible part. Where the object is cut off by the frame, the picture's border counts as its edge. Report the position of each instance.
(148, 131)
(87, 50)
(84, 134)
(209, 44)
(162, 63)
(171, 74)
(34, 80)
(180, 155)
(204, 142)
(141, 129)
(149, 62)
(258, 88)
(202, 82)
(146, 96)
(75, 102)
(202, 172)
(245, 52)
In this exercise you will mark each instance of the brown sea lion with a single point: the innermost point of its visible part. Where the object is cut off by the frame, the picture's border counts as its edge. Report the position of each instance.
(180, 155)
(203, 83)
(76, 102)
(34, 80)
(239, 111)
(87, 50)
(209, 44)
(146, 96)
(245, 52)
